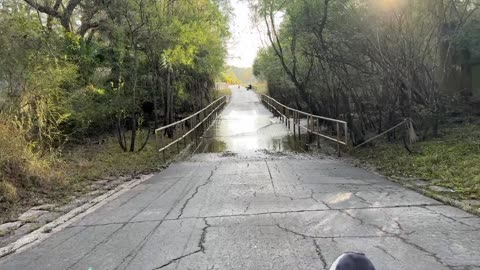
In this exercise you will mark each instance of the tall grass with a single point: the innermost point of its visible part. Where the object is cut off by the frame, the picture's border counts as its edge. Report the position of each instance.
(28, 177)
(21, 168)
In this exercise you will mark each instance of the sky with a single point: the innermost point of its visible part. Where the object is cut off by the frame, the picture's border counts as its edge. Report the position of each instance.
(246, 39)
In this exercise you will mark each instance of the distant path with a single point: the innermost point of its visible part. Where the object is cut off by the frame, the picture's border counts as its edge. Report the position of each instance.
(245, 127)
(252, 210)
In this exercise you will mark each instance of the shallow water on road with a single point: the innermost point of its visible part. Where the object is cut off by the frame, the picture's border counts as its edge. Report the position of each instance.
(247, 208)
(246, 126)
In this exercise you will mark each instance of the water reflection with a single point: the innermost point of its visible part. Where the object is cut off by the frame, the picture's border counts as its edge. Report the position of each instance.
(215, 146)
(240, 126)
(246, 126)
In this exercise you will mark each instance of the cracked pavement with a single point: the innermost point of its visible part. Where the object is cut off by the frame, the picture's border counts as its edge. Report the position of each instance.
(261, 211)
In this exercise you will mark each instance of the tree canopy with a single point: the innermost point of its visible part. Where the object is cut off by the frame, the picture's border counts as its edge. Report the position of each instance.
(371, 62)
(76, 68)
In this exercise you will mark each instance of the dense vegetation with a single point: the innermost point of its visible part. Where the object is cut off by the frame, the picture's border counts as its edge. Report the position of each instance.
(450, 160)
(239, 75)
(74, 72)
(373, 62)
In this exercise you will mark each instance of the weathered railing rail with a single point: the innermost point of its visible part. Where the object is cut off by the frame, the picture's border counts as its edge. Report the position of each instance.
(409, 139)
(190, 128)
(311, 123)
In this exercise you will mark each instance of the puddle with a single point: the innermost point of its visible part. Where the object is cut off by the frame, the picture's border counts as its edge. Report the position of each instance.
(246, 126)
(214, 146)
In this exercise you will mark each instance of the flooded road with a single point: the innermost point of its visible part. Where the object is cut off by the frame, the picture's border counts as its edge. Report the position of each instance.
(246, 126)
(258, 210)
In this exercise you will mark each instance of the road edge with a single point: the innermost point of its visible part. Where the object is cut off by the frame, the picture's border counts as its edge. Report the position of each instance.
(49, 229)
(444, 199)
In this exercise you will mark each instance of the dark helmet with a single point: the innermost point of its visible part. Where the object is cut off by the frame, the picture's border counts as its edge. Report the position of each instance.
(352, 261)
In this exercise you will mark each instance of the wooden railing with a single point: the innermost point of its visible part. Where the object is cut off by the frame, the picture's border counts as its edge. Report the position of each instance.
(190, 128)
(312, 123)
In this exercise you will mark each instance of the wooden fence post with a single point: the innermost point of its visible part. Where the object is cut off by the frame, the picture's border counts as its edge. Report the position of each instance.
(338, 139)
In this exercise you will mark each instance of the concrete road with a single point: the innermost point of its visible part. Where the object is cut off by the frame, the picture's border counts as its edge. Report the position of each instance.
(255, 210)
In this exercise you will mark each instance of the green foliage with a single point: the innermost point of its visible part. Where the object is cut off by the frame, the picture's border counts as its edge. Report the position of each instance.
(229, 77)
(238, 75)
(469, 39)
(44, 112)
(85, 55)
(37, 81)
(222, 92)
(23, 169)
(371, 63)
(69, 77)
(450, 161)
(261, 88)
(268, 68)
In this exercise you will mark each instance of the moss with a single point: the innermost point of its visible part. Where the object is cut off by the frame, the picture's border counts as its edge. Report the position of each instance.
(452, 160)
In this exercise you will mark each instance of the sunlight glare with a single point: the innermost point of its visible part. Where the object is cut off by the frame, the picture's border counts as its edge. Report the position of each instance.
(239, 130)
(340, 198)
(389, 4)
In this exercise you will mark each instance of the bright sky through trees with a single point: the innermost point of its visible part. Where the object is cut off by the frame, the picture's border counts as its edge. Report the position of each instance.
(246, 40)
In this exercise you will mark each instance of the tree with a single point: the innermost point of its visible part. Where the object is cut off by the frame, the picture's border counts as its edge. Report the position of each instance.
(128, 65)
(372, 63)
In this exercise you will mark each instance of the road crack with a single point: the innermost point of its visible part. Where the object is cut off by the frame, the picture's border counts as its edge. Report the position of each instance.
(203, 237)
(362, 222)
(133, 254)
(361, 198)
(306, 236)
(209, 179)
(250, 202)
(451, 218)
(176, 259)
(431, 254)
(200, 245)
(271, 180)
(386, 252)
(320, 254)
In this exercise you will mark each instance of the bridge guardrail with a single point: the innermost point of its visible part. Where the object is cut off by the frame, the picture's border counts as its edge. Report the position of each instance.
(293, 116)
(194, 125)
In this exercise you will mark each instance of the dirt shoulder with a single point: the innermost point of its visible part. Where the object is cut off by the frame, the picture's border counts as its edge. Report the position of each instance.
(446, 168)
(88, 171)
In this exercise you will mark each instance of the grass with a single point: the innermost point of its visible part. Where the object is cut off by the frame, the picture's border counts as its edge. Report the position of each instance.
(261, 88)
(451, 161)
(107, 159)
(8, 191)
(27, 179)
(222, 92)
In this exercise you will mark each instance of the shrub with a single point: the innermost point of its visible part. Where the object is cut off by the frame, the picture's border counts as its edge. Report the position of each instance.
(21, 167)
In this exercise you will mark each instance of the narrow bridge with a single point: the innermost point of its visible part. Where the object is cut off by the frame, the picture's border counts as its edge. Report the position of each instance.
(244, 201)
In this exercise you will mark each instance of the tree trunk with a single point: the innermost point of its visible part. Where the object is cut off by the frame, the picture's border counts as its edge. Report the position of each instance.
(121, 139)
(134, 132)
(155, 87)
(168, 104)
